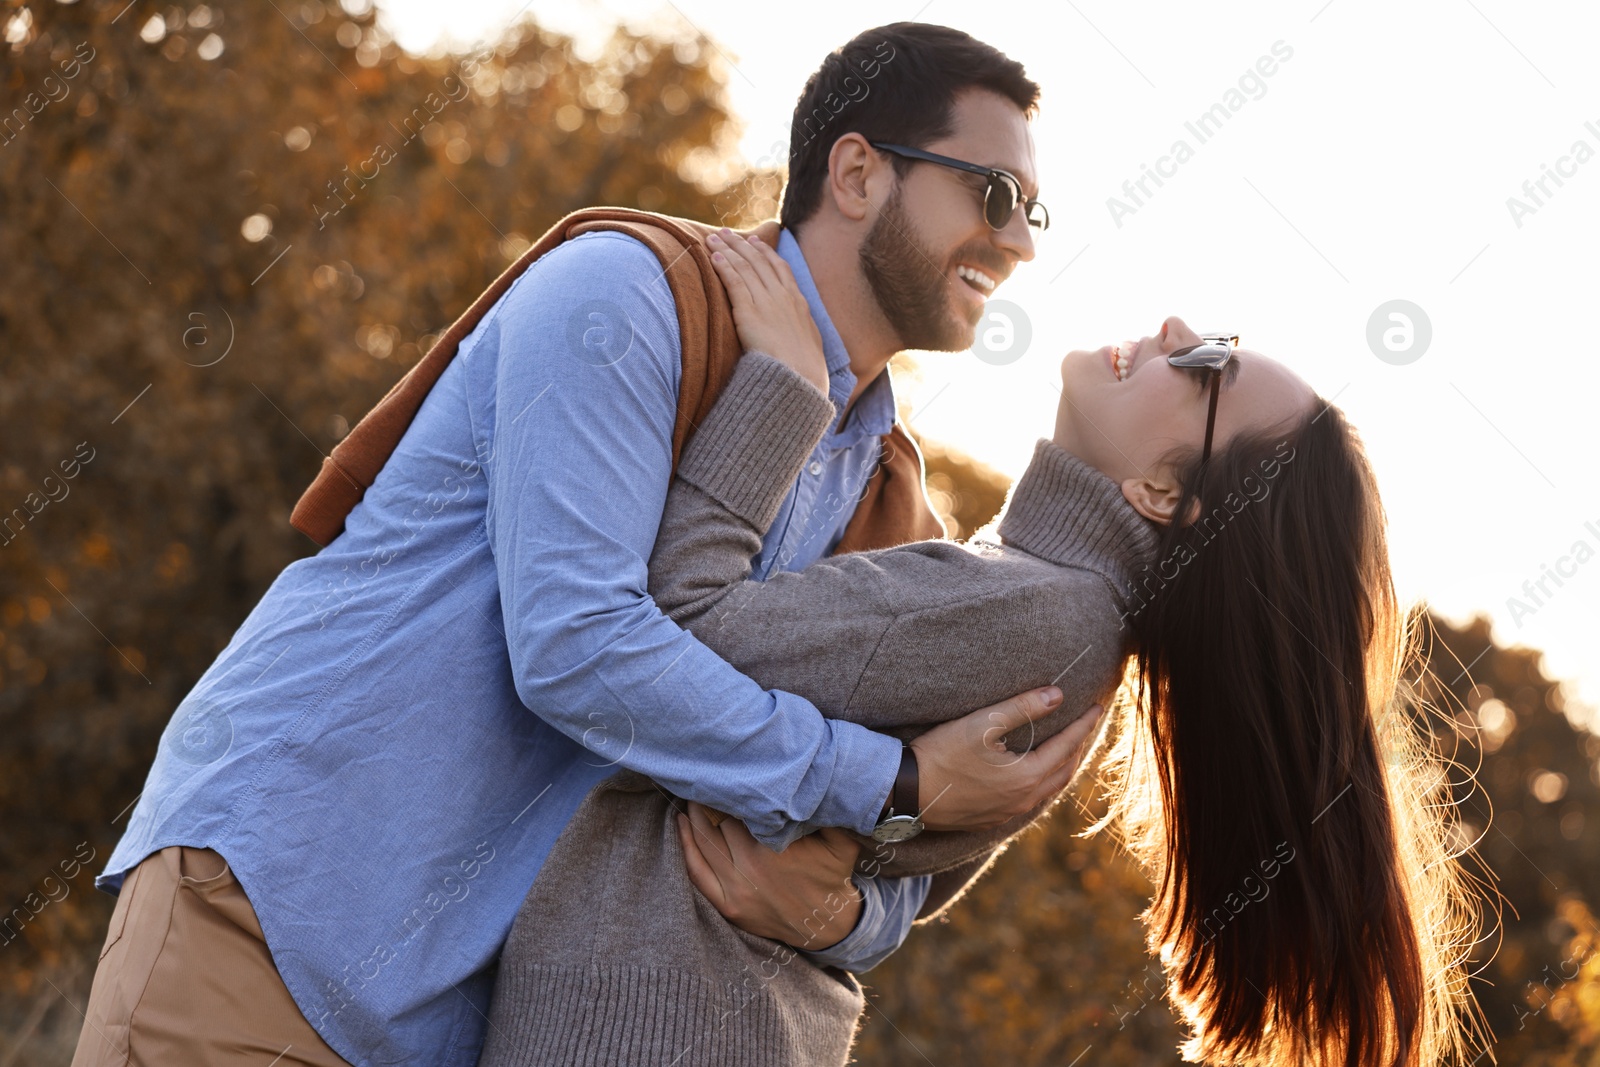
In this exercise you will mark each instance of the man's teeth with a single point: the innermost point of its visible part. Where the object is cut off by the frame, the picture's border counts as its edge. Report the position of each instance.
(976, 277)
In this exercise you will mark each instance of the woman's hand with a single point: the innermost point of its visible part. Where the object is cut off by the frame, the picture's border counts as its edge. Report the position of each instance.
(802, 896)
(969, 780)
(768, 308)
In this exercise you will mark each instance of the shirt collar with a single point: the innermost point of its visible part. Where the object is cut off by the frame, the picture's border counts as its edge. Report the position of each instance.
(874, 411)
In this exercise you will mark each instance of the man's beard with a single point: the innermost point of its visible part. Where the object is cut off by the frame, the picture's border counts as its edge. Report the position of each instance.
(912, 292)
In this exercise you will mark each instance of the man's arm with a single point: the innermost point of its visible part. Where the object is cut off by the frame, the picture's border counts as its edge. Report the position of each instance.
(889, 907)
(576, 383)
(811, 896)
(894, 639)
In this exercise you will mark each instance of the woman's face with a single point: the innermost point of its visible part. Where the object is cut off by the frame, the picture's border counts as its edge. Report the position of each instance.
(1124, 408)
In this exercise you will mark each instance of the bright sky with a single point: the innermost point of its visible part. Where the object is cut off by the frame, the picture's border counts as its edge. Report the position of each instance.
(1374, 164)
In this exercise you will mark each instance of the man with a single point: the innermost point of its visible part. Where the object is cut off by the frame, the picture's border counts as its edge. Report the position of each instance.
(347, 810)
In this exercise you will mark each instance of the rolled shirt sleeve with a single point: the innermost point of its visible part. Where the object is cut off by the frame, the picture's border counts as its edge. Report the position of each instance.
(888, 908)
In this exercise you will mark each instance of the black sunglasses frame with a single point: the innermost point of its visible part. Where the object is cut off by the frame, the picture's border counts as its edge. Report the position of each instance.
(1213, 353)
(996, 179)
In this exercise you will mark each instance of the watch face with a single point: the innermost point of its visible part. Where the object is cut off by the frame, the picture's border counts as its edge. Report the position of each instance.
(897, 828)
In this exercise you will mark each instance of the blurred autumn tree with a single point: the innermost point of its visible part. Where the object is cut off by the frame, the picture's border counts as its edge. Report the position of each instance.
(224, 232)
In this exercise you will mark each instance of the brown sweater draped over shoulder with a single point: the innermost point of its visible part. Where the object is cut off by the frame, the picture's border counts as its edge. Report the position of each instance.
(893, 509)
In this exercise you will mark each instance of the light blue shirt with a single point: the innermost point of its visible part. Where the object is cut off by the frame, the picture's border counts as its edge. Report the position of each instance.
(389, 746)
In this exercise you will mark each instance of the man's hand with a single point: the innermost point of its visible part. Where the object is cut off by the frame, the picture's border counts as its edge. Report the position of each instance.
(969, 780)
(802, 896)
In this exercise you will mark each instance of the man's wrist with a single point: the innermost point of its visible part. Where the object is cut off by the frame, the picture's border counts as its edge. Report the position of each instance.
(845, 906)
(847, 928)
(889, 908)
(902, 817)
(863, 774)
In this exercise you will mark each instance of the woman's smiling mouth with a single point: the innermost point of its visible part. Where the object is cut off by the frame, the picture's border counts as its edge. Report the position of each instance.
(1122, 357)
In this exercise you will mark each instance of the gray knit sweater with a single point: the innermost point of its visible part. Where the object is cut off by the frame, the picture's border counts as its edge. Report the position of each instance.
(615, 959)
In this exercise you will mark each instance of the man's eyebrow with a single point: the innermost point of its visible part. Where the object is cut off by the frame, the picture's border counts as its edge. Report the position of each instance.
(1034, 195)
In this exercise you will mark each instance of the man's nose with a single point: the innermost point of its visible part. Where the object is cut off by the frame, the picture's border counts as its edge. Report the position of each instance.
(1175, 334)
(1016, 238)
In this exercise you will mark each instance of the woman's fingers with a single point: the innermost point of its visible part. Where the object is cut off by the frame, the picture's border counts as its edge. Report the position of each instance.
(780, 266)
(752, 291)
(784, 275)
(751, 252)
(762, 257)
(733, 279)
(736, 276)
(769, 311)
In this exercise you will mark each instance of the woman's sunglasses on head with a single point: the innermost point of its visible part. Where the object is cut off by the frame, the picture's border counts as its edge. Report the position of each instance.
(1212, 353)
(1001, 196)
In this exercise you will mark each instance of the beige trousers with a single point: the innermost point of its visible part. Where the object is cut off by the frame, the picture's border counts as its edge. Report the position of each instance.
(185, 977)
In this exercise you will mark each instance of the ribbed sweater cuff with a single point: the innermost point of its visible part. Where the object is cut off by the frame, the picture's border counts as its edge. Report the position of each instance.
(750, 449)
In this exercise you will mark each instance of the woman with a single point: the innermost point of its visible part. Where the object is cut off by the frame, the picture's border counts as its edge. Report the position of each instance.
(1217, 519)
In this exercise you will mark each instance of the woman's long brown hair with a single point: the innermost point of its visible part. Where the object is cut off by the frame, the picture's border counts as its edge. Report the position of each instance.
(1309, 909)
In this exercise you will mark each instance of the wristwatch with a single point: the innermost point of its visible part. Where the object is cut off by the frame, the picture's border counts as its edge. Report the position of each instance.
(901, 820)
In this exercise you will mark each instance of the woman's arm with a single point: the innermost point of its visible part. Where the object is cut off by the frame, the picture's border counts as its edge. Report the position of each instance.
(896, 639)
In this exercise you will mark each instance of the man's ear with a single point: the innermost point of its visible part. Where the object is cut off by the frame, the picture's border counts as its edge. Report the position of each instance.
(1155, 498)
(854, 167)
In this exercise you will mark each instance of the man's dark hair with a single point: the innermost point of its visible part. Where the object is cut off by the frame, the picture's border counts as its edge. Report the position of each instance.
(896, 83)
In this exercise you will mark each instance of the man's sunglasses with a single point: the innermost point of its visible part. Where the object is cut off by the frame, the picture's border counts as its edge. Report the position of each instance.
(1001, 196)
(1212, 353)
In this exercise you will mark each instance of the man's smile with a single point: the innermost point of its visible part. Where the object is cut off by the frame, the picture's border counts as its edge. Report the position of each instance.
(977, 278)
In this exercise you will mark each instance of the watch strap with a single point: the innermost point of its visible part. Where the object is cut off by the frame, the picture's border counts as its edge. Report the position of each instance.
(907, 784)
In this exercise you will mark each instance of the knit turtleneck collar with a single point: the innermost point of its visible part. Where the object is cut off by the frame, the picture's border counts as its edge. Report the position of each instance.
(1068, 513)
